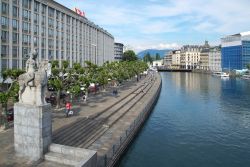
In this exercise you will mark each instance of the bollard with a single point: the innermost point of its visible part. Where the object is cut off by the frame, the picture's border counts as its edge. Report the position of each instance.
(105, 160)
(113, 149)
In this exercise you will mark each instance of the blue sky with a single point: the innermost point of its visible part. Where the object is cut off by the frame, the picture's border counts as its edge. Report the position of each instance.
(162, 24)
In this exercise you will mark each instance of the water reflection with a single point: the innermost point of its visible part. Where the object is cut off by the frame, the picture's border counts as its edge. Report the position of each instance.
(199, 120)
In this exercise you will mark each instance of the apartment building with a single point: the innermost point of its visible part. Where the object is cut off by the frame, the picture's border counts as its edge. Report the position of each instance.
(215, 59)
(118, 48)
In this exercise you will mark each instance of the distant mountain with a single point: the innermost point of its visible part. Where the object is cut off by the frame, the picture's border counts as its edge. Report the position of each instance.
(152, 52)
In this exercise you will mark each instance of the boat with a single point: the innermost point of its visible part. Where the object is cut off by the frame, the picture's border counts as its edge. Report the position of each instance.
(246, 77)
(217, 74)
(224, 75)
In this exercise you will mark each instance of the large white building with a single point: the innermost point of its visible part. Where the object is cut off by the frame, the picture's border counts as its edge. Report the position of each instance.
(56, 32)
(215, 59)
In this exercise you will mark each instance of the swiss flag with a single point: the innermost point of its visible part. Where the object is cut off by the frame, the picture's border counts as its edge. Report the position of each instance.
(81, 13)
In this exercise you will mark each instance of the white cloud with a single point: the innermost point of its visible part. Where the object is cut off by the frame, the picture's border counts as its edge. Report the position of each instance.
(159, 46)
(159, 23)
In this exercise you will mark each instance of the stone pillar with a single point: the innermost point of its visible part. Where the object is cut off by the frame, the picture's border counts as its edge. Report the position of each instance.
(32, 130)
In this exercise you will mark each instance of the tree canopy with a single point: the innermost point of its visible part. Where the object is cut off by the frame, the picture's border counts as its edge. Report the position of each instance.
(147, 58)
(129, 55)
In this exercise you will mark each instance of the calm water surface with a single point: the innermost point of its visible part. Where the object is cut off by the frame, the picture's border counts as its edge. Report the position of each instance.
(199, 121)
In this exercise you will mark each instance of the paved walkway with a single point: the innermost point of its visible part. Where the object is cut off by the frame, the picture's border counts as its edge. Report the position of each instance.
(95, 104)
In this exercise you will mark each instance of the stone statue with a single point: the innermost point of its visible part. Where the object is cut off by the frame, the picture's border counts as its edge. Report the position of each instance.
(33, 83)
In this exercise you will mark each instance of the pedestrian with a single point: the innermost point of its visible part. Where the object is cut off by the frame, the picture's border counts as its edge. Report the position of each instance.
(68, 108)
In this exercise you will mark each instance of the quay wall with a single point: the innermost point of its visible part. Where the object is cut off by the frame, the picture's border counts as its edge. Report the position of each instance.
(144, 108)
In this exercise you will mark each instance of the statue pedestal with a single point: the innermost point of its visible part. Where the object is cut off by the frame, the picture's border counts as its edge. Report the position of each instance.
(32, 130)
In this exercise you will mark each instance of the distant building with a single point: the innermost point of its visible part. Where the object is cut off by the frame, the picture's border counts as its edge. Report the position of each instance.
(167, 61)
(157, 63)
(204, 58)
(118, 48)
(190, 56)
(176, 59)
(235, 51)
(215, 59)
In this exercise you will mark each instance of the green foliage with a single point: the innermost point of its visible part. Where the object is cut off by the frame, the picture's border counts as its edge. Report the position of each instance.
(147, 58)
(157, 56)
(129, 55)
(248, 66)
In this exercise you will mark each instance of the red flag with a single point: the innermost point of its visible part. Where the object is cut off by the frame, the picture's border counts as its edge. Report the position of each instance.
(81, 13)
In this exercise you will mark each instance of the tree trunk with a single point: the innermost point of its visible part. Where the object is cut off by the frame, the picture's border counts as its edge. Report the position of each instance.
(58, 99)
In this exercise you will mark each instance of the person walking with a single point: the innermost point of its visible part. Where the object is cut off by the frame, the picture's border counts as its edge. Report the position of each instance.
(68, 108)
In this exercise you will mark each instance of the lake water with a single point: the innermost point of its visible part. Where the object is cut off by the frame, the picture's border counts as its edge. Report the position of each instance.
(198, 121)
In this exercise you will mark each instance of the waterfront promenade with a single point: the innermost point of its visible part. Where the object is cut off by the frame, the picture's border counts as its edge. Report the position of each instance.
(93, 118)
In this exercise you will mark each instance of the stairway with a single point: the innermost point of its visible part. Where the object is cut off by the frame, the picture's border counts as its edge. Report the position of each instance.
(71, 156)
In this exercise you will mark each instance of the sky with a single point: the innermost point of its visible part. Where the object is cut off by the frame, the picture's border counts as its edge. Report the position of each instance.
(166, 24)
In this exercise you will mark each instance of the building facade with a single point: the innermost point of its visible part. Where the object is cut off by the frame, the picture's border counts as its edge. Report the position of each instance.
(118, 49)
(190, 56)
(56, 32)
(204, 59)
(167, 60)
(235, 51)
(215, 59)
(176, 59)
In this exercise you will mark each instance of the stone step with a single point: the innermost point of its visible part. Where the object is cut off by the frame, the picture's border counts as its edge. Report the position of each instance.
(67, 155)
(62, 159)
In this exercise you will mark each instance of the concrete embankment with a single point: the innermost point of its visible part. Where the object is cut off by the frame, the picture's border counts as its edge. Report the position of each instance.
(101, 131)
(115, 141)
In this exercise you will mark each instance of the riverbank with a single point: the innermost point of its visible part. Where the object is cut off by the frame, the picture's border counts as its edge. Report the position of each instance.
(91, 122)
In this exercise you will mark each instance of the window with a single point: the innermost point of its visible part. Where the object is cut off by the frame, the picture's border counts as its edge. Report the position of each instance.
(4, 21)
(26, 39)
(15, 11)
(5, 8)
(14, 63)
(43, 20)
(27, 4)
(36, 6)
(4, 50)
(44, 9)
(57, 14)
(43, 42)
(4, 63)
(51, 22)
(15, 2)
(51, 43)
(43, 54)
(5, 36)
(35, 41)
(51, 32)
(15, 38)
(36, 18)
(51, 53)
(36, 29)
(14, 51)
(26, 14)
(25, 51)
(43, 31)
(15, 24)
(26, 27)
(51, 12)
